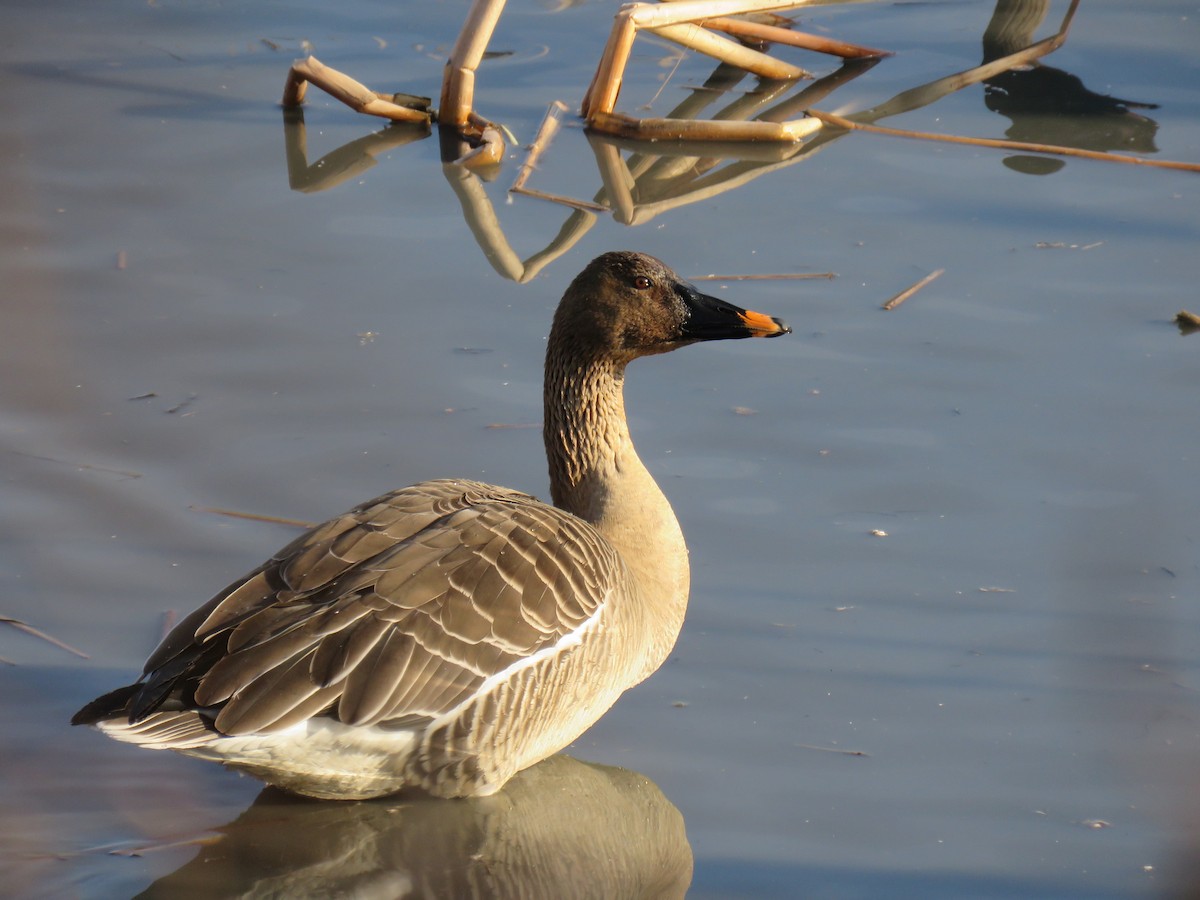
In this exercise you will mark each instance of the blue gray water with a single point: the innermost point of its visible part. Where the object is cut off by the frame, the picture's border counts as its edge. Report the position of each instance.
(996, 698)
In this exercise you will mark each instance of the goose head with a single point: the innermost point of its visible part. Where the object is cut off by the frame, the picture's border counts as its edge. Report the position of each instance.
(625, 305)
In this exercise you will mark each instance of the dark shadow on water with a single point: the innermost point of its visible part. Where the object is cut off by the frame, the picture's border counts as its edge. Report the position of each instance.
(1050, 106)
(563, 828)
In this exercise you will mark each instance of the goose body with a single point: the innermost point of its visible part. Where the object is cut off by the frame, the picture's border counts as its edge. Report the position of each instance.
(446, 635)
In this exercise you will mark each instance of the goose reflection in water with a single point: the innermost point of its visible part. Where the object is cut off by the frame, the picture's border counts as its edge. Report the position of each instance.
(1050, 106)
(562, 828)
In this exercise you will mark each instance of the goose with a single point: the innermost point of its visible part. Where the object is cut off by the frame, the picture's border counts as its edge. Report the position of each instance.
(445, 636)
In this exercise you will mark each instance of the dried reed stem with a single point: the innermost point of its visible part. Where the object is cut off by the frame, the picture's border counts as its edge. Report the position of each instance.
(1187, 322)
(707, 129)
(731, 52)
(1017, 146)
(652, 15)
(601, 96)
(458, 81)
(782, 276)
(776, 35)
(342, 87)
(908, 292)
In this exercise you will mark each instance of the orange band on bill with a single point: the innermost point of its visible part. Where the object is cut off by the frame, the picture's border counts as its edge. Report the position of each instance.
(762, 325)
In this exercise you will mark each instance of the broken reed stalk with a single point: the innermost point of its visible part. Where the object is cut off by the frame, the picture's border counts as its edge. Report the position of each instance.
(342, 87)
(651, 15)
(601, 96)
(701, 130)
(1187, 322)
(546, 132)
(486, 140)
(458, 81)
(1016, 146)
(775, 35)
(908, 292)
(731, 52)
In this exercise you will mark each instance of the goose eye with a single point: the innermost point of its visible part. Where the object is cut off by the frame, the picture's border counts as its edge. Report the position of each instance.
(641, 282)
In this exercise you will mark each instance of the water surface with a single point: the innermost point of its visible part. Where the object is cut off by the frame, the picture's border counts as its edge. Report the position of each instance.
(1012, 668)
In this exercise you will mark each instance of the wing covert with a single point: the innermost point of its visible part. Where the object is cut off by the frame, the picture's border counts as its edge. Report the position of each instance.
(398, 610)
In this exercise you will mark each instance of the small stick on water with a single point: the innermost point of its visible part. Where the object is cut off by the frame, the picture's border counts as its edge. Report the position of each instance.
(1187, 322)
(833, 750)
(29, 629)
(78, 465)
(781, 276)
(138, 850)
(253, 517)
(908, 292)
(182, 405)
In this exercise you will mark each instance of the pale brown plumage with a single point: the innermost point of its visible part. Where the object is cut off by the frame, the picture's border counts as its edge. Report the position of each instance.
(446, 635)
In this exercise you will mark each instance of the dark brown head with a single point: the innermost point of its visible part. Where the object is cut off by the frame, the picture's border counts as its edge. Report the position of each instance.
(625, 305)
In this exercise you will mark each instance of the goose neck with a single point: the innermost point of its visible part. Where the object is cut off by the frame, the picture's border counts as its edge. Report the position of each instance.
(587, 437)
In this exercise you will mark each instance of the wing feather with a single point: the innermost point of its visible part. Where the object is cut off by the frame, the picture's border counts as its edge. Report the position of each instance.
(395, 612)
(272, 700)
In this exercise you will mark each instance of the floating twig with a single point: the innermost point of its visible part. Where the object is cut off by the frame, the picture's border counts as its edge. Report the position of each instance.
(781, 276)
(253, 517)
(37, 633)
(203, 840)
(1188, 322)
(1017, 146)
(832, 750)
(908, 292)
(124, 473)
(1063, 245)
(182, 405)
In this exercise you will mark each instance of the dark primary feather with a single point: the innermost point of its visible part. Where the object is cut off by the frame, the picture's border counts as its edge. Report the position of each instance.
(397, 610)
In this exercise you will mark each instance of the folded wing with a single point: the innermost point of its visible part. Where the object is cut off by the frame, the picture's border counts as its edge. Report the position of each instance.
(392, 614)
